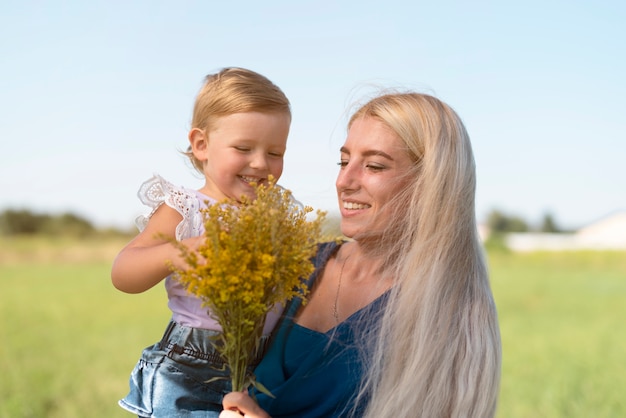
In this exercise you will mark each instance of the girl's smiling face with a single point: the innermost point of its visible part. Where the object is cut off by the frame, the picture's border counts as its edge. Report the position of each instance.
(374, 167)
(240, 149)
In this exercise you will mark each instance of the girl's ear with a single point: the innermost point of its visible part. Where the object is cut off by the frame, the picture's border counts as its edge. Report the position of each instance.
(198, 141)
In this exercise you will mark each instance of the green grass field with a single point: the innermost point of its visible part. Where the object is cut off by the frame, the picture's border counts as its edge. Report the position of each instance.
(69, 339)
(564, 345)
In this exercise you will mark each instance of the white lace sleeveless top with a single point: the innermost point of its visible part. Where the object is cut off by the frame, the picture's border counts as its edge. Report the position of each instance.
(186, 308)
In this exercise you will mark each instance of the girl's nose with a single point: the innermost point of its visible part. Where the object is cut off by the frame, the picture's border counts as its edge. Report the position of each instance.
(259, 161)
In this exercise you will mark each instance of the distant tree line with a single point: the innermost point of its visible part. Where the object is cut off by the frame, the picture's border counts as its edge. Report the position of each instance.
(26, 222)
(499, 222)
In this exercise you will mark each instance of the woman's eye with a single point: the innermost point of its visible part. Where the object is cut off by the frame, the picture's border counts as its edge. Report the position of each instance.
(342, 163)
(375, 167)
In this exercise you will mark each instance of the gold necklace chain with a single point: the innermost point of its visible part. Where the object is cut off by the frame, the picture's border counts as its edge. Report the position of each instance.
(335, 312)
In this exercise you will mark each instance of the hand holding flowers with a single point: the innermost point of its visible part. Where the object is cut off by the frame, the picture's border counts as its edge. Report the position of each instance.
(253, 256)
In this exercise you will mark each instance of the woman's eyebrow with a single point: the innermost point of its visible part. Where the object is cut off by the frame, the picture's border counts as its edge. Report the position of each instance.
(378, 153)
(369, 153)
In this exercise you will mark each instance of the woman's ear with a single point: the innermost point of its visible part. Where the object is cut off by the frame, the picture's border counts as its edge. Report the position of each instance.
(199, 141)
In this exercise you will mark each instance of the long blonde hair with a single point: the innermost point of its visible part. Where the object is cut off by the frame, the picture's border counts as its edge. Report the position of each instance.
(437, 352)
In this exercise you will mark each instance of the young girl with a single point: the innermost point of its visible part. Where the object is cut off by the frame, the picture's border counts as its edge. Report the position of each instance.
(238, 136)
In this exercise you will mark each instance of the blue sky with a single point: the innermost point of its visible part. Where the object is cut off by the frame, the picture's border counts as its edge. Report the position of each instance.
(96, 96)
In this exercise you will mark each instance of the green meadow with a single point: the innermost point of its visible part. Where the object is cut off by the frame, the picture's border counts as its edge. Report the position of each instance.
(68, 339)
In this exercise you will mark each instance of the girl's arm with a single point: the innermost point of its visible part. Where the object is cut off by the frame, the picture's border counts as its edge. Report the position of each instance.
(237, 404)
(143, 262)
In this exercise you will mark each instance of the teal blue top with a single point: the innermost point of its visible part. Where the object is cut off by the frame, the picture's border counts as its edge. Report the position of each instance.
(313, 374)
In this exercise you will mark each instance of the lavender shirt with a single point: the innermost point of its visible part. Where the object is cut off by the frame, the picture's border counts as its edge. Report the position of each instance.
(186, 309)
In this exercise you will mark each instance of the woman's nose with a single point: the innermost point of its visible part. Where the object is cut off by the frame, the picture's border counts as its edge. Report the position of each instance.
(347, 178)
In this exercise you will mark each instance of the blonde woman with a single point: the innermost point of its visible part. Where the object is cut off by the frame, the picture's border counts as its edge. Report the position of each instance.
(400, 320)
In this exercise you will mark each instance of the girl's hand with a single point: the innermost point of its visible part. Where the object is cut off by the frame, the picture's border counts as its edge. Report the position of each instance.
(238, 404)
(192, 245)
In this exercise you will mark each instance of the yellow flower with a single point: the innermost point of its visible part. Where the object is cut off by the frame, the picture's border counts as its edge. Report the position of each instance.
(254, 256)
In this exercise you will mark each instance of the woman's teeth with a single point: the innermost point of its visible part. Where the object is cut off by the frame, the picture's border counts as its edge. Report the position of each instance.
(353, 206)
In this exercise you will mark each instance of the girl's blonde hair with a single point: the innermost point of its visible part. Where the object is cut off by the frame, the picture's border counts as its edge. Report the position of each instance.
(234, 90)
(437, 352)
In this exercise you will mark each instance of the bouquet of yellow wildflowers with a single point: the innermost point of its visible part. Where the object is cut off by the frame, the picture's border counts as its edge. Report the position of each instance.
(254, 256)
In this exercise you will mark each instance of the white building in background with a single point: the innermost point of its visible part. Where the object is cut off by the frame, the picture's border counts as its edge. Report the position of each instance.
(608, 233)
